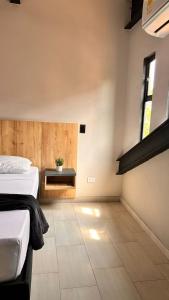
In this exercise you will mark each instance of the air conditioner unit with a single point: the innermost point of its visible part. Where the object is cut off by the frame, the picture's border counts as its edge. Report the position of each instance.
(156, 17)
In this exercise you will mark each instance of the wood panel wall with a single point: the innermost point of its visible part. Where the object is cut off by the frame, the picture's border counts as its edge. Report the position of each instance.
(42, 143)
(61, 139)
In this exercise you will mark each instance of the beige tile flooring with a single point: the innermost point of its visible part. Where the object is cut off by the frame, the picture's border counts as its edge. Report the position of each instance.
(97, 251)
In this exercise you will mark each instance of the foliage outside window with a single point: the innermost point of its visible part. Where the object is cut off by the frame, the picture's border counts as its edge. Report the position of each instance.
(149, 66)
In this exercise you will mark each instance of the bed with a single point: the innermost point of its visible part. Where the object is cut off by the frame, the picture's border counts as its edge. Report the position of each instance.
(15, 249)
(24, 184)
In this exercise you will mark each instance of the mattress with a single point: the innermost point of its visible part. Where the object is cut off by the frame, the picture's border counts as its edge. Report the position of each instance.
(25, 184)
(14, 239)
(15, 225)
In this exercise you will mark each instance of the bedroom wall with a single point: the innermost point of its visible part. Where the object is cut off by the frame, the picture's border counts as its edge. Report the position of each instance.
(65, 61)
(145, 188)
(142, 45)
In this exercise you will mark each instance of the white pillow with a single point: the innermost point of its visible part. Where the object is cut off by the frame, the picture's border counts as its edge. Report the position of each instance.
(14, 164)
(14, 158)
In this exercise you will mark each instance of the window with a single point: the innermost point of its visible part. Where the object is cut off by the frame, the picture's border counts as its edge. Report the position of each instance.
(149, 67)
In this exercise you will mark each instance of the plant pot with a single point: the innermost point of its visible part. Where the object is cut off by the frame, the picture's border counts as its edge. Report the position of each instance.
(59, 168)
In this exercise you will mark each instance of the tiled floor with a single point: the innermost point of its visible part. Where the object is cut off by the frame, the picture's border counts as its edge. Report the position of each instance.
(97, 251)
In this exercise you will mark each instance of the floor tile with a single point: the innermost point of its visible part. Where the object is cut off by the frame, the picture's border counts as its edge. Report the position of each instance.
(92, 211)
(154, 253)
(116, 208)
(45, 260)
(50, 219)
(164, 269)
(137, 263)
(106, 237)
(45, 286)
(64, 212)
(95, 229)
(102, 254)
(74, 267)
(128, 222)
(115, 284)
(106, 210)
(153, 290)
(67, 233)
(118, 232)
(85, 293)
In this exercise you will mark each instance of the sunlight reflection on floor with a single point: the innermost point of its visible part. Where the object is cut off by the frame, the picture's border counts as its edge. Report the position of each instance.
(94, 235)
(91, 211)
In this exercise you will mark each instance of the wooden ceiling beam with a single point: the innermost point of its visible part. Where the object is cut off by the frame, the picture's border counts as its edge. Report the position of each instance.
(136, 13)
(15, 1)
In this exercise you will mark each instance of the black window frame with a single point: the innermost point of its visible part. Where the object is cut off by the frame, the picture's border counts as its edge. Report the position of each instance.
(146, 97)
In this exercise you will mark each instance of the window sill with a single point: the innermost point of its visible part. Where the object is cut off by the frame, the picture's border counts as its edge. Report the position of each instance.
(155, 143)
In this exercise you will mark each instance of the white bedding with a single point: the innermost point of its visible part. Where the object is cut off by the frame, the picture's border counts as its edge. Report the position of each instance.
(26, 184)
(15, 225)
(14, 238)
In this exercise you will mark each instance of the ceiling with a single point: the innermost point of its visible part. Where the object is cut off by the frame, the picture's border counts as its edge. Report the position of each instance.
(135, 14)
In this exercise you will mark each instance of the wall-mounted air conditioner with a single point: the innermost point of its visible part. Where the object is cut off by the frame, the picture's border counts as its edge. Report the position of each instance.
(156, 17)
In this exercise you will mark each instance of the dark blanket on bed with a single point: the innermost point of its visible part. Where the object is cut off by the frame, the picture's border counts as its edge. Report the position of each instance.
(38, 223)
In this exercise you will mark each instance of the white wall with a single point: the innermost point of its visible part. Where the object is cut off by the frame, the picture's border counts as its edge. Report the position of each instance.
(65, 61)
(142, 45)
(146, 188)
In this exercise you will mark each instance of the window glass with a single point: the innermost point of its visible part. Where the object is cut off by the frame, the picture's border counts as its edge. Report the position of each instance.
(147, 118)
(151, 77)
(150, 65)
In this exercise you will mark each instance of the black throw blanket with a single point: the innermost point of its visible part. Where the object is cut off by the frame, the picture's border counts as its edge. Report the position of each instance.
(38, 223)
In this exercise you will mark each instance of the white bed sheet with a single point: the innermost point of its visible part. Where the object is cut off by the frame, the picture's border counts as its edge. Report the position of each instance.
(14, 239)
(15, 225)
(26, 184)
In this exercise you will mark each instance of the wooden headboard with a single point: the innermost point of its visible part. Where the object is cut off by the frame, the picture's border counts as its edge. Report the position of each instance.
(42, 143)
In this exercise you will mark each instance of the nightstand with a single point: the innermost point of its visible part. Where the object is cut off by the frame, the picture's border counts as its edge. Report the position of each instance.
(55, 181)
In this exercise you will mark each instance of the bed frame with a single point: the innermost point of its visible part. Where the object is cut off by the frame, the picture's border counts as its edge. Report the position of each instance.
(20, 288)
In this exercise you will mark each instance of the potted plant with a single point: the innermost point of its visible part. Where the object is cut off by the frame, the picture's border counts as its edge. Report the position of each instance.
(59, 164)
